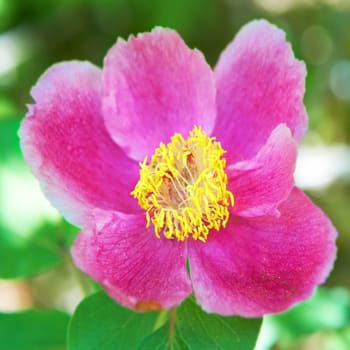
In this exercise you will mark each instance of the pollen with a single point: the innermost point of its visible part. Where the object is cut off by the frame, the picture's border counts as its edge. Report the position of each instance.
(183, 187)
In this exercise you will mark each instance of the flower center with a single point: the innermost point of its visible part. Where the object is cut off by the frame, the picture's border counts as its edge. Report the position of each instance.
(183, 187)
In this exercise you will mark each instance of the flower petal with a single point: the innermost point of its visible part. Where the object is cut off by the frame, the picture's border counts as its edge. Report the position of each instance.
(265, 265)
(154, 86)
(67, 147)
(137, 269)
(261, 183)
(259, 85)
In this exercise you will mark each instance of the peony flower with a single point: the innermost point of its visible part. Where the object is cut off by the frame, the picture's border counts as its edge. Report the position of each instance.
(182, 177)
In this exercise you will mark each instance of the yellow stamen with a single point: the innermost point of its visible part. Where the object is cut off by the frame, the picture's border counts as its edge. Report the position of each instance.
(183, 187)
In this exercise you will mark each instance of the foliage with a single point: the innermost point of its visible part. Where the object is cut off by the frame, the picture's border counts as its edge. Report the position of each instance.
(35, 243)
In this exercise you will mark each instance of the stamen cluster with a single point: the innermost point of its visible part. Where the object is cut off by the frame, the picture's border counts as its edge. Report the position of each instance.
(183, 187)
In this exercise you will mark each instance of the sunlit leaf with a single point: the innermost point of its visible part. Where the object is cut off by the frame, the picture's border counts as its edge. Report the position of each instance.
(33, 330)
(202, 331)
(164, 338)
(99, 323)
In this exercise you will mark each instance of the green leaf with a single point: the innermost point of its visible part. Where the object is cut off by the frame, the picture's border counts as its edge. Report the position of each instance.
(27, 256)
(99, 323)
(327, 309)
(200, 330)
(162, 339)
(70, 233)
(29, 241)
(9, 142)
(33, 330)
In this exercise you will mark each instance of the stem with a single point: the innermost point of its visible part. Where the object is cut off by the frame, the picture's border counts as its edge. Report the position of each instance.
(172, 326)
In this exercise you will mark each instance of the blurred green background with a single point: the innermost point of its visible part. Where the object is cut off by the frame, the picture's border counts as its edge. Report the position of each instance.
(35, 268)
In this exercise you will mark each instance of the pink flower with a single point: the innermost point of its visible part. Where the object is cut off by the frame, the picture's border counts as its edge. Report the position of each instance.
(226, 204)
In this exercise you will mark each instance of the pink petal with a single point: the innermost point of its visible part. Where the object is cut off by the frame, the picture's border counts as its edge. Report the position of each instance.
(261, 183)
(265, 265)
(259, 85)
(154, 86)
(137, 269)
(65, 144)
